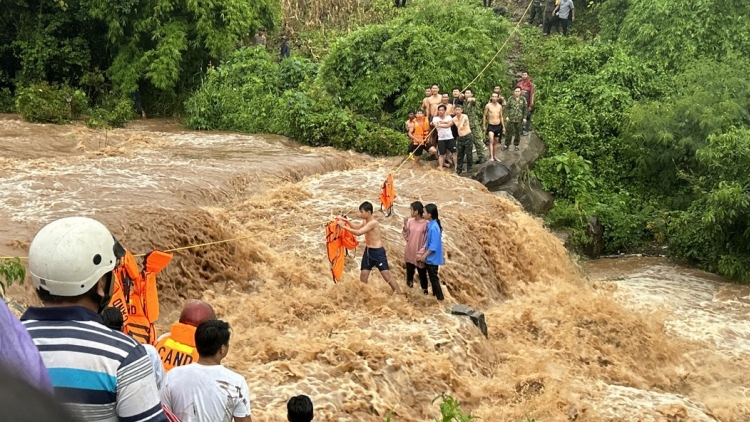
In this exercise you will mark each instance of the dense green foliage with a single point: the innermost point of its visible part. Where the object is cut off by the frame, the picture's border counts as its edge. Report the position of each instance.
(159, 45)
(363, 87)
(45, 103)
(647, 127)
(252, 93)
(385, 68)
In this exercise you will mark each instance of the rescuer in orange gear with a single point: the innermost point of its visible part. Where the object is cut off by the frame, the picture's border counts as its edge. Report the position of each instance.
(177, 348)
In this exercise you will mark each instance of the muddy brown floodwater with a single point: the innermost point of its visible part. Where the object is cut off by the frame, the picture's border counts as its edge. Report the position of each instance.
(642, 341)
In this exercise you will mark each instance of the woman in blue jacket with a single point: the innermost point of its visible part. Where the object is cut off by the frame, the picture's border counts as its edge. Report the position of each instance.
(433, 250)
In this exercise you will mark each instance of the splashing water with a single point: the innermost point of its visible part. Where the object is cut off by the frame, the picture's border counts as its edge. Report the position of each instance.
(559, 348)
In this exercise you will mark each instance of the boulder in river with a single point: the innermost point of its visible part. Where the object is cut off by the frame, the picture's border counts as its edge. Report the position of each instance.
(476, 317)
(492, 174)
(530, 194)
(595, 235)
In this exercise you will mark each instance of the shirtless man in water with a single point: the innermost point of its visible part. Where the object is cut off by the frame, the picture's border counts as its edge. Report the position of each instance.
(374, 255)
(493, 112)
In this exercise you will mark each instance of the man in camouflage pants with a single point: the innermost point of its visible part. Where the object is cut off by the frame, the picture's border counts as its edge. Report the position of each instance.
(515, 115)
(474, 110)
(537, 10)
(549, 18)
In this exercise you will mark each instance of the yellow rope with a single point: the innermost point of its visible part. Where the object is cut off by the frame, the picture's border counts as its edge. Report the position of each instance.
(409, 157)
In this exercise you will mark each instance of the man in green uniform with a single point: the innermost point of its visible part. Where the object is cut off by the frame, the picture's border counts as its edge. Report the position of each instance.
(474, 110)
(515, 115)
(549, 17)
(537, 11)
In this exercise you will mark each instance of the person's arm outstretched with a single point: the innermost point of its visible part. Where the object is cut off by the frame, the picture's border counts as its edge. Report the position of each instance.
(360, 230)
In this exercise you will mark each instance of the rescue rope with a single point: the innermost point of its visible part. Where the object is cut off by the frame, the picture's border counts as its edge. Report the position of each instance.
(410, 157)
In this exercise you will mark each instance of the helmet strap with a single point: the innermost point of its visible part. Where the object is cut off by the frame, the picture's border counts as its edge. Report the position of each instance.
(104, 300)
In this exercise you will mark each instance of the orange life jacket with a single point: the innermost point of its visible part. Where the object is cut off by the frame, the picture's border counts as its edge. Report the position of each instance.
(387, 195)
(338, 243)
(135, 294)
(178, 348)
(420, 131)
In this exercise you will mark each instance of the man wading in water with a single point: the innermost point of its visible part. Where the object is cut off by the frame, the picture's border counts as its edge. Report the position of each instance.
(374, 255)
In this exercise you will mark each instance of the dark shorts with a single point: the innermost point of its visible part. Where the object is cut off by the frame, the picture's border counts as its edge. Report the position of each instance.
(417, 151)
(496, 129)
(374, 258)
(446, 145)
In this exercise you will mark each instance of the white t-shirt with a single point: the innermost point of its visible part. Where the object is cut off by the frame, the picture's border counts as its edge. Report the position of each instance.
(443, 133)
(205, 393)
(153, 355)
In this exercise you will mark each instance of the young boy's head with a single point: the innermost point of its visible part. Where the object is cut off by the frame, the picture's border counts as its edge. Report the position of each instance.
(365, 210)
(299, 409)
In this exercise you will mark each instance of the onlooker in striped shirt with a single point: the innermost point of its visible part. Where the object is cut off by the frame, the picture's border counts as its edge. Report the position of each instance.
(99, 375)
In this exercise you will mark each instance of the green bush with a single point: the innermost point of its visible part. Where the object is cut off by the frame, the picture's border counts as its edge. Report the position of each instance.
(385, 68)
(7, 102)
(252, 93)
(114, 113)
(11, 271)
(45, 103)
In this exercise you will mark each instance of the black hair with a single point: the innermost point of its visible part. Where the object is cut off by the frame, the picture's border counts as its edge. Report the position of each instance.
(441, 106)
(418, 207)
(210, 336)
(366, 207)
(420, 111)
(112, 318)
(412, 112)
(518, 87)
(299, 409)
(433, 211)
(457, 106)
(456, 89)
(22, 402)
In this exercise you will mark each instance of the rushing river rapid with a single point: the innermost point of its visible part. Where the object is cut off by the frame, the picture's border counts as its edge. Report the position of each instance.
(631, 339)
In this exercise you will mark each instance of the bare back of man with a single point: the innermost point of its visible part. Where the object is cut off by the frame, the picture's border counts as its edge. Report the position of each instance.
(374, 255)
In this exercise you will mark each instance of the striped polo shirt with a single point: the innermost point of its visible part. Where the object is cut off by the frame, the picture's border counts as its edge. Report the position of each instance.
(100, 375)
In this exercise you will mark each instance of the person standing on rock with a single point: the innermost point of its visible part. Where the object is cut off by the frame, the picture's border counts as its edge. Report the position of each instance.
(432, 256)
(426, 100)
(374, 255)
(527, 91)
(433, 101)
(493, 112)
(471, 108)
(446, 142)
(464, 141)
(409, 122)
(516, 118)
(415, 233)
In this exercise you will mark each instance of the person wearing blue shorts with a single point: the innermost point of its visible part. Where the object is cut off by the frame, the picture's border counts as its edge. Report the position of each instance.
(374, 255)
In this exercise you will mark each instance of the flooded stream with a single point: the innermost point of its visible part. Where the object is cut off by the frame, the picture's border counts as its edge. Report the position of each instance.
(619, 340)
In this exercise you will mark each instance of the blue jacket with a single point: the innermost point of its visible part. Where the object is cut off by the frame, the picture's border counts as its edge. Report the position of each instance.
(434, 243)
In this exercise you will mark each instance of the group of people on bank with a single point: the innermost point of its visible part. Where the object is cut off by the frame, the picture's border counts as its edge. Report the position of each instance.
(446, 124)
(72, 350)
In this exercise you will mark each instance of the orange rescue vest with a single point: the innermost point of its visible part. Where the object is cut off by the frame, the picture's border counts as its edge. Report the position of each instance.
(338, 243)
(177, 348)
(387, 195)
(135, 294)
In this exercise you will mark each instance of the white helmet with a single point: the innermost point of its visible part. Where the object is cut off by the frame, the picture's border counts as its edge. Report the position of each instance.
(68, 256)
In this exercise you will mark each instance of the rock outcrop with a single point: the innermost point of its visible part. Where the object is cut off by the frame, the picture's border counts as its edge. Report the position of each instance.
(476, 317)
(510, 175)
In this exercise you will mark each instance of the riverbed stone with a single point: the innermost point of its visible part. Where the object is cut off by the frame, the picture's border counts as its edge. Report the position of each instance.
(530, 194)
(492, 174)
(595, 235)
(476, 317)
